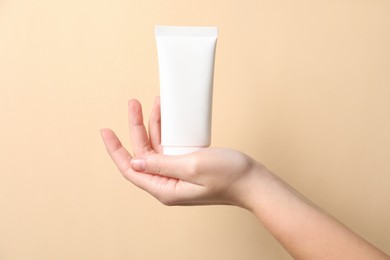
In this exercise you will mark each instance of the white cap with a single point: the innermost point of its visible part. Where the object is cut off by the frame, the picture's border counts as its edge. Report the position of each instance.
(178, 150)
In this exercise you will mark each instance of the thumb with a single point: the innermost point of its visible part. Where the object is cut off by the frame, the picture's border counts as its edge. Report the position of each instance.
(182, 167)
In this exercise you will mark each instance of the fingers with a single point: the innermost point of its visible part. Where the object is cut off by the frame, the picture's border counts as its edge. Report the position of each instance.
(138, 134)
(168, 190)
(155, 127)
(118, 153)
(122, 159)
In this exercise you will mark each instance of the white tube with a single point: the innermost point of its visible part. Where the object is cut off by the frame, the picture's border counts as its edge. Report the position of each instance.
(186, 68)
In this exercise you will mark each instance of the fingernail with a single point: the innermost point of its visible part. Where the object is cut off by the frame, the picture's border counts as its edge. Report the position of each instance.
(138, 164)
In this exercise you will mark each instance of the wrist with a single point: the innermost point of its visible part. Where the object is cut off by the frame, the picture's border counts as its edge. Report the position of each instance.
(252, 187)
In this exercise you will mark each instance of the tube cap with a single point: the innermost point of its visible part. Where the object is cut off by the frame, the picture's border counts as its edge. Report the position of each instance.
(178, 150)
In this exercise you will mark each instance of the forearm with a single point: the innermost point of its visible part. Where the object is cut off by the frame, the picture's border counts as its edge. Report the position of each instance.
(305, 231)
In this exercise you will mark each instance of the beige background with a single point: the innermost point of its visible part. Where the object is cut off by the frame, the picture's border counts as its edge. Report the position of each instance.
(303, 86)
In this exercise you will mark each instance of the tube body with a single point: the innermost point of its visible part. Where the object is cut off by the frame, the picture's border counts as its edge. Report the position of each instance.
(186, 69)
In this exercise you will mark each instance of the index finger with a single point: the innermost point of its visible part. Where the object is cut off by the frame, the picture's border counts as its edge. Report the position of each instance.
(118, 153)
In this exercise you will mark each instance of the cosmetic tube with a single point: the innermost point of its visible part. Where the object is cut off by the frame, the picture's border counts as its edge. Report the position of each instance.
(186, 68)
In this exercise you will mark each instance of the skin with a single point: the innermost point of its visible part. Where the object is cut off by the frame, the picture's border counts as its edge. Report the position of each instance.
(224, 176)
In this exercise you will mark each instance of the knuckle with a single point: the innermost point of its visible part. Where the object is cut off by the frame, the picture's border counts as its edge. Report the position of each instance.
(156, 167)
(193, 167)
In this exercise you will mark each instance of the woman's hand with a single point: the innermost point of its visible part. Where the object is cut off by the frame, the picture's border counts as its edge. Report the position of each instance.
(209, 176)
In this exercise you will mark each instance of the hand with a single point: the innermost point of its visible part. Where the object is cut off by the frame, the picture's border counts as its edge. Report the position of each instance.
(209, 176)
